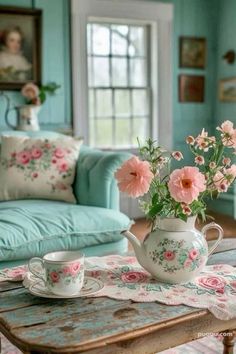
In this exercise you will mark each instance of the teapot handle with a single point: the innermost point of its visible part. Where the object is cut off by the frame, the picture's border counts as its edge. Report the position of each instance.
(213, 225)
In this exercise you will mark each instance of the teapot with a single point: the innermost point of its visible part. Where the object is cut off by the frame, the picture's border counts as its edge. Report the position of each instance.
(176, 252)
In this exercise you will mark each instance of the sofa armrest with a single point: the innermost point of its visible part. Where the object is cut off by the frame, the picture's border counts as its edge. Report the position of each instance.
(95, 184)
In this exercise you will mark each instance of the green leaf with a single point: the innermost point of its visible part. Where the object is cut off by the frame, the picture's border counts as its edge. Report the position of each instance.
(155, 210)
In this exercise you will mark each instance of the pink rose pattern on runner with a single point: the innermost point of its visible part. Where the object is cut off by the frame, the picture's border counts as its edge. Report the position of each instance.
(124, 279)
(37, 159)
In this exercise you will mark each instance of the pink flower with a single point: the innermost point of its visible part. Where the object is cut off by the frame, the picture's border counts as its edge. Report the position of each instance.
(23, 157)
(212, 282)
(169, 255)
(134, 177)
(177, 155)
(186, 209)
(233, 284)
(190, 140)
(61, 186)
(36, 153)
(220, 182)
(54, 277)
(226, 161)
(47, 145)
(54, 161)
(62, 166)
(212, 165)
(17, 274)
(133, 277)
(231, 172)
(186, 183)
(30, 91)
(187, 263)
(59, 153)
(226, 127)
(193, 254)
(72, 269)
(13, 155)
(35, 174)
(199, 160)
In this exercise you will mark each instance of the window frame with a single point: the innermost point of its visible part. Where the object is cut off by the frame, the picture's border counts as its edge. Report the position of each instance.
(159, 17)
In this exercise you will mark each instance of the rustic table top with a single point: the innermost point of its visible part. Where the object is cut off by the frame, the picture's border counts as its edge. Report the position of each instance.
(98, 325)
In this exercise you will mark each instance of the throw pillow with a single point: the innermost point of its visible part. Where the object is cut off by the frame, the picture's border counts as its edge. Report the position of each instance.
(38, 168)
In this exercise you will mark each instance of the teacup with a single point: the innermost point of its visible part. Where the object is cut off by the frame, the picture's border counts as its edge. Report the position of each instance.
(63, 272)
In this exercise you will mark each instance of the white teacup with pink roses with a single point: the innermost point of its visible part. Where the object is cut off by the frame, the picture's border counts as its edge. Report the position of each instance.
(62, 272)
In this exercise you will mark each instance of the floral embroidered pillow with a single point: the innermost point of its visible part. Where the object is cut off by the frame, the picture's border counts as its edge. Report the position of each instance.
(38, 168)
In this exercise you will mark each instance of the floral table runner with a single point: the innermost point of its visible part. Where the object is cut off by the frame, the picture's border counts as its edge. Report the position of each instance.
(124, 278)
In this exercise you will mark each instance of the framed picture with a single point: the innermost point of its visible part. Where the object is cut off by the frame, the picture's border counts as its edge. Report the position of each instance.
(227, 90)
(191, 88)
(20, 47)
(192, 52)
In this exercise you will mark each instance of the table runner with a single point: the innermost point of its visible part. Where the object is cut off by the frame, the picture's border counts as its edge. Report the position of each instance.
(123, 278)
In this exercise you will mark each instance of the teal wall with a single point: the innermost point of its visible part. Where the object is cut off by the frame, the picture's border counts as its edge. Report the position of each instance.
(226, 39)
(56, 112)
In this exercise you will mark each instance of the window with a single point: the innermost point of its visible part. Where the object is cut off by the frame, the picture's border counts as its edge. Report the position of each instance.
(119, 85)
(122, 79)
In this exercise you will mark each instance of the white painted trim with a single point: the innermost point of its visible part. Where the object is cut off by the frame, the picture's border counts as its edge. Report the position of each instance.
(156, 14)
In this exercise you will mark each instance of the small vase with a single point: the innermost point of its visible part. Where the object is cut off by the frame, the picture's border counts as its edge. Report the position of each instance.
(176, 251)
(28, 117)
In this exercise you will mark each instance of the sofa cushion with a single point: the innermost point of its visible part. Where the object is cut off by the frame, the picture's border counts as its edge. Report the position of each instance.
(34, 227)
(38, 168)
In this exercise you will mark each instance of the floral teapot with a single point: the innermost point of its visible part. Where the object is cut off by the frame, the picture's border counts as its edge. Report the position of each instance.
(176, 251)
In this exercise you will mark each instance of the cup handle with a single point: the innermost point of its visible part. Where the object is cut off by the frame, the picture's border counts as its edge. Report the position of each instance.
(35, 260)
(213, 225)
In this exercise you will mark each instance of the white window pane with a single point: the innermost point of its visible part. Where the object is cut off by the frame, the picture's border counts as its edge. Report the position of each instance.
(119, 72)
(138, 43)
(101, 39)
(91, 103)
(104, 103)
(101, 72)
(140, 130)
(103, 132)
(90, 76)
(92, 134)
(89, 39)
(138, 76)
(122, 132)
(122, 103)
(119, 40)
(140, 102)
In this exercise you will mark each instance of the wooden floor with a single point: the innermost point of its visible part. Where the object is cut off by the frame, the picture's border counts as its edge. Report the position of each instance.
(141, 228)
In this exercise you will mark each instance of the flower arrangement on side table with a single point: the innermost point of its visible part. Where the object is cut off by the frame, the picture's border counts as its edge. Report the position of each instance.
(37, 95)
(175, 251)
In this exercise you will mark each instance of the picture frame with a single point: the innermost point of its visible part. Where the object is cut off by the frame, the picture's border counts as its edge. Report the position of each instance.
(20, 47)
(227, 90)
(191, 88)
(192, 52)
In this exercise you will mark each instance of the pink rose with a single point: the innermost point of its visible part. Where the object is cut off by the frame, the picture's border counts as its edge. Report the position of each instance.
(72, 269)
(59, 153)
(36, 153)
(61, 186)
(233, 284)
(169, 255)
(30, 91)
(54, 161)
(193, 254)
(212, 282)
(23, 157)
(17, 274)
(134, 177)
(35, 174)
(186, 183)
(54, 277)
(13, 155)
(187, 263)
(133, 277)
(62, 166)
(47, 146)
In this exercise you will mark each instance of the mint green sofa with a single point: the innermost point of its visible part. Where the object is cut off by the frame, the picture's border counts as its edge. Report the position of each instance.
(34, 227)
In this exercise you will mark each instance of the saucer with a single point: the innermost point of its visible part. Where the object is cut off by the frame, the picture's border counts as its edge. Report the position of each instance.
(90, 287)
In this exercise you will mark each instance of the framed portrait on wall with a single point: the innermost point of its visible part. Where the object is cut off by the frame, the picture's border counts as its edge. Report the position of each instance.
(20, 47)
(191, 88)
(227, 90)
(192, 52)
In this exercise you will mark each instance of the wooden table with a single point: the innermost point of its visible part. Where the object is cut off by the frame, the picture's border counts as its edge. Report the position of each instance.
(101, 325)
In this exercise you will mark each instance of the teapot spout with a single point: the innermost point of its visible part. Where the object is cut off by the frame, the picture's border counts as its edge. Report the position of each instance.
(137, 246)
